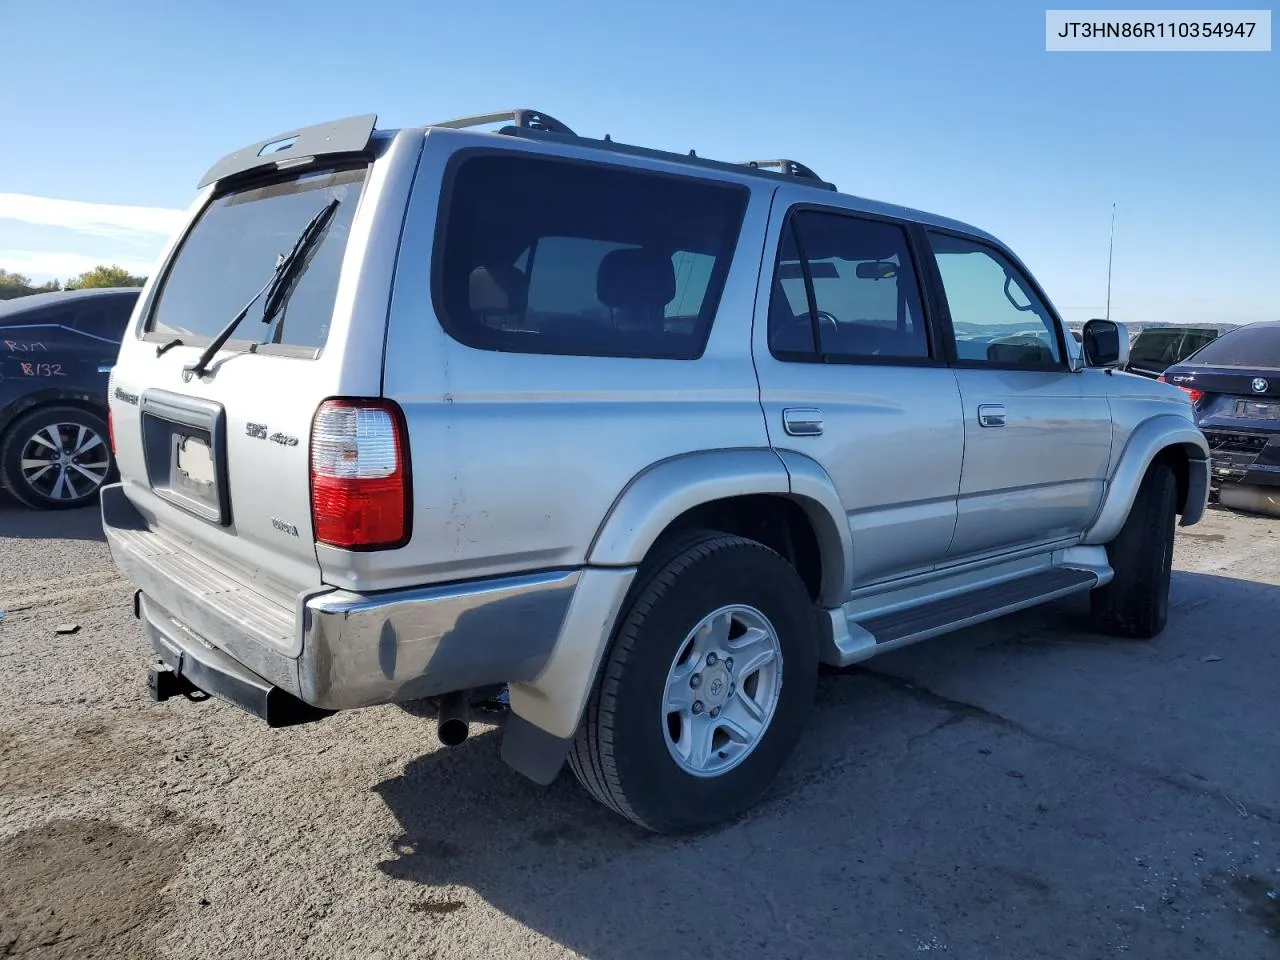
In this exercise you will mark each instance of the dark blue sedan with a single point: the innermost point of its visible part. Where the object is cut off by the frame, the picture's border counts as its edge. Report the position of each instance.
(1234, 383)
(56, 350)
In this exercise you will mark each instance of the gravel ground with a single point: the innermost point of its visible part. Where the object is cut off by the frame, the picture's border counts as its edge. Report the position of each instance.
(1022, 789)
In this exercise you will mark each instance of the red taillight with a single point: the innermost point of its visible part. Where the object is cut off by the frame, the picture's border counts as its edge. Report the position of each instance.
(359, 475)
(1191, 392)
(111, 434)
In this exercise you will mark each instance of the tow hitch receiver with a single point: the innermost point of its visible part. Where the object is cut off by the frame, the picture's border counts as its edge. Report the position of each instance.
(163, 682)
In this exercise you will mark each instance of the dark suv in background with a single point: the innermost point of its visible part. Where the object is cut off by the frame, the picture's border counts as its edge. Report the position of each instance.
(56, 350)
(1156, 349)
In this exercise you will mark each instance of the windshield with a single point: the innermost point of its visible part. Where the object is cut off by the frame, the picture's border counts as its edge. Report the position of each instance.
(233, 248)
(1252, 346)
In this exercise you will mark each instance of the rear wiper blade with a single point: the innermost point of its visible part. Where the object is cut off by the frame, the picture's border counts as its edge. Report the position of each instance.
(284, 267)
(287, 277)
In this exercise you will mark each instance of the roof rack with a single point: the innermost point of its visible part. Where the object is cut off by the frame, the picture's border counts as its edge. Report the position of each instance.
(522, 117)
(535, 124)
(790, 168)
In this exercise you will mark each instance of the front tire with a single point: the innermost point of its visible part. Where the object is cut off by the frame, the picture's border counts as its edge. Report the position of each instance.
(1135, 603)
(705, 689)
(56, 457)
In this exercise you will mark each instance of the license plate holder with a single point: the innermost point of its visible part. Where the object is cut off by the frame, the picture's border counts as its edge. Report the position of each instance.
(1258, 409)
(184, 445)
(193, 468)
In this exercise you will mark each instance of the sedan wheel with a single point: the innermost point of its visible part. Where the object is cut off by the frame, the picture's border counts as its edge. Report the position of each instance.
(56, 458)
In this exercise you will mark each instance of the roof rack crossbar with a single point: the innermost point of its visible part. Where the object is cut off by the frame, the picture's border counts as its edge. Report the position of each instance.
(790, 168)
(760, 168)
(522, 117)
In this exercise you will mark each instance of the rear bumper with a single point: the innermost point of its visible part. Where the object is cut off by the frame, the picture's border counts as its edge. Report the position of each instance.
(331, 649)
(1246, 456)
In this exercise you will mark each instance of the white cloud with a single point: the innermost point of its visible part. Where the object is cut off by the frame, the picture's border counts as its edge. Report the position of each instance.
(42, 265)
(46, 238)
(109, 220)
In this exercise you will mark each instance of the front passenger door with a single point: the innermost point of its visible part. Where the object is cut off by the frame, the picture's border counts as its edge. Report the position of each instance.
(1037, 437)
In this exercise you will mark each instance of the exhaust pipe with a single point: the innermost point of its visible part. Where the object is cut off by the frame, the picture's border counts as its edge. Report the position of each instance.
(453, 723)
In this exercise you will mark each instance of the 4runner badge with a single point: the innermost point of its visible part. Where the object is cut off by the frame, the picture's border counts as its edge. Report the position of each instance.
(259, 432)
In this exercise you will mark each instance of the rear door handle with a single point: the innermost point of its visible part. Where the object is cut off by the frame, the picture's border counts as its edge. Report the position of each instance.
(802, 421)
(991, 414)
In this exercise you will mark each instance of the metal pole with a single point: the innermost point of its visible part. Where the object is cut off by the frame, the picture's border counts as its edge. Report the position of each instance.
(1110, 249)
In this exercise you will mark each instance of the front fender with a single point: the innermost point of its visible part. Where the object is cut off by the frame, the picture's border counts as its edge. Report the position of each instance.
(1144, 445)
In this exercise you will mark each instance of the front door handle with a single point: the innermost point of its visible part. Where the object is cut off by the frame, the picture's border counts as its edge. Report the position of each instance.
(802, 421)
(991, 414)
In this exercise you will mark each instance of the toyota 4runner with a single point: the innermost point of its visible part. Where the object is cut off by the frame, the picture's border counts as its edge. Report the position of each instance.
(645, 437)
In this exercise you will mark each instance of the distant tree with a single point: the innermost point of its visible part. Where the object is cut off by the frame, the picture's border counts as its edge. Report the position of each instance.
(14, 285)
(103, 276)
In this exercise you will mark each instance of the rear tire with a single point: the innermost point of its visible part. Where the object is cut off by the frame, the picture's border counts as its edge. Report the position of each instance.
(1135, 603)
(74, 443)
(673, 753)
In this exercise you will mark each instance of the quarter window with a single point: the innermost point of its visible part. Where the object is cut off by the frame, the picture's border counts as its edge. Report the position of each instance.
(996, 316)
(550, 256)
(845, 288)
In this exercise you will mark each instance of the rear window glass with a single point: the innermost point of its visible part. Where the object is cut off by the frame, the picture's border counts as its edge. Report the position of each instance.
(1252, 346)
(105, 317)
(549, 256)
(231, 252)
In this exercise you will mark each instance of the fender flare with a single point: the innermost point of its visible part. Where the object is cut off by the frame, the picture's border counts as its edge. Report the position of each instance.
(663, 491)
(1144, 444)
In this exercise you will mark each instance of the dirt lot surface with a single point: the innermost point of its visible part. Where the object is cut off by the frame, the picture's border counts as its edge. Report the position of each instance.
(1019, 790)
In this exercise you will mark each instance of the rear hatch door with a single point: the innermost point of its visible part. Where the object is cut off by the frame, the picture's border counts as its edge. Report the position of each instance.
(220, 461)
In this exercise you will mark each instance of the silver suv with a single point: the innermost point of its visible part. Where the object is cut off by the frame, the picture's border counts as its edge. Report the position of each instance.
(645, 437)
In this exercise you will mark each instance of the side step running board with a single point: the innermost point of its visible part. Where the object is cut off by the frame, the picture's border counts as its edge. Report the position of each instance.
(952, 613)
(862, 639)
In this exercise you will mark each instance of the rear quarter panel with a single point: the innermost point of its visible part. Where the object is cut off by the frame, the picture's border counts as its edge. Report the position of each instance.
(517, 458)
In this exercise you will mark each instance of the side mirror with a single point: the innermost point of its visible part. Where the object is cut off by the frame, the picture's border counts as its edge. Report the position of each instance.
(1105, 343)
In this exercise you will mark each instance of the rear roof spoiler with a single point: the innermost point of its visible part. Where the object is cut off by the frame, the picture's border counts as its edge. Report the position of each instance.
(333, 138)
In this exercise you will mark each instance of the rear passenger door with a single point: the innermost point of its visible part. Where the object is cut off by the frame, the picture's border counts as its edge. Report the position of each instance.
(1037, 436)
(852, 376)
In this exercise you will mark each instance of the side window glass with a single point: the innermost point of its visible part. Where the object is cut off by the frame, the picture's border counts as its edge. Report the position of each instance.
(995, 314)
(92, 319)
(864, 289)
(555, 257)
(117, 319)
(790, 323)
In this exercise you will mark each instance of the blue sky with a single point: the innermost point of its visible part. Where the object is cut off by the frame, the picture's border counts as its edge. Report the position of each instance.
(955, 108)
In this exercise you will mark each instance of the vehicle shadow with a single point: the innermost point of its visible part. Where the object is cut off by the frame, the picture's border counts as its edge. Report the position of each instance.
(20, 522)
(904, 811)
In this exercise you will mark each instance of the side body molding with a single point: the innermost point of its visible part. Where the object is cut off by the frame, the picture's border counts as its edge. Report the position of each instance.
(1143, 446)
